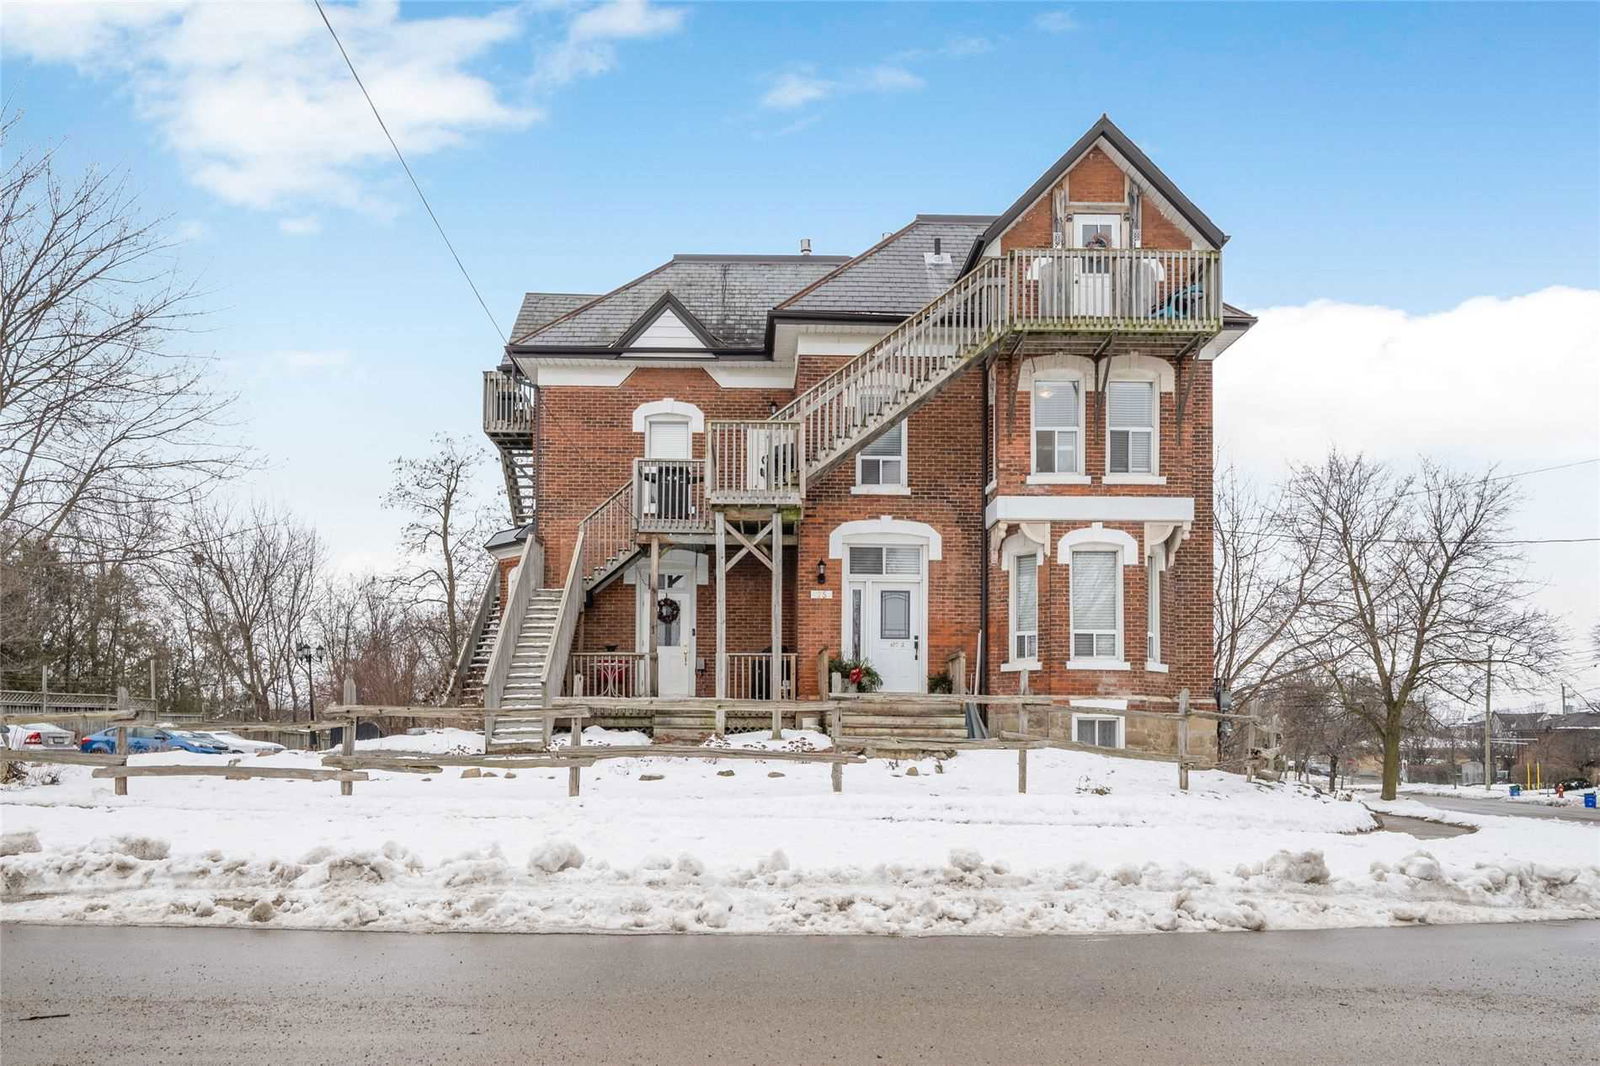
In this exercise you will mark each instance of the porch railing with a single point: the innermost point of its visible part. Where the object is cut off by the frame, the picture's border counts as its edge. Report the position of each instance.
(608, 674)
(507, 404)
(669, 496)
(750, 676)
(755, 462)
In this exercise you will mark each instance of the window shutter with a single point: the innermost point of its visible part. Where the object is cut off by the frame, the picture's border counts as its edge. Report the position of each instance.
(1094, 590)
(890, 444)
(669, 440)
(1128, 404)
(1055, 405)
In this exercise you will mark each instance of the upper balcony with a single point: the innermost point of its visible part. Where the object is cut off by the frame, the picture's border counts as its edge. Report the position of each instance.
(507, 405)
(1114, 290)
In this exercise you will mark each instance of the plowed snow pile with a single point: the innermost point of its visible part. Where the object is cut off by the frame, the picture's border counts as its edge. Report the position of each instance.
(1098, 845)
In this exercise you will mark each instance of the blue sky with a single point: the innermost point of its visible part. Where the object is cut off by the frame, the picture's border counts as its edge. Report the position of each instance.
(1397, 156)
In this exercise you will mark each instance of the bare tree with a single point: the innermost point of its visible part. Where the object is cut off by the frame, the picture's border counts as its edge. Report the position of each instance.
(1316, 725)
(248, 585)
(99, 418)
(1422, 589)
(1264, 576)
(444, 531)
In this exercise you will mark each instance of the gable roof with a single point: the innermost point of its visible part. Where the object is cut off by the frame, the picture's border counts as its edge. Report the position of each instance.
(1129, 151)
(728, 297)
(897, 276)
(539, 308)
(667, 305)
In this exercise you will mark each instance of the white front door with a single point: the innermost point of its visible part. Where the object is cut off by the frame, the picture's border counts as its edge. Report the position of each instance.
(675, 639)
(1091, 280)
(885, 624)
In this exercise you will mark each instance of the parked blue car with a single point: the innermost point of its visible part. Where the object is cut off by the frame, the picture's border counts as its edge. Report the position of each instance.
(142, 739)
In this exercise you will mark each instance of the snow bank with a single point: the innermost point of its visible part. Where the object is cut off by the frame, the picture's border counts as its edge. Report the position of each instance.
(661, 844)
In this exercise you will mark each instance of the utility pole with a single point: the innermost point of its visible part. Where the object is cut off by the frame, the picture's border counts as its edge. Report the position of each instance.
(1563, 704)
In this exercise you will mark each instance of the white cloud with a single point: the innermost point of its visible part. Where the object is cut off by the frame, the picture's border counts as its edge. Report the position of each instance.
(587, 47)
(1055, 22)
(256, 101)
(794, 89)
(797, 88)
(1490, 381)
(301, 225)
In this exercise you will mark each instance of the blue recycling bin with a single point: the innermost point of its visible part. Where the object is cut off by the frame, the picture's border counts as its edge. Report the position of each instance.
(1589, 799)
(1516, 790)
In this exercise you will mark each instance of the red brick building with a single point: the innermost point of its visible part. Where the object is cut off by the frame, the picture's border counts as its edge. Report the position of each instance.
(984, 440)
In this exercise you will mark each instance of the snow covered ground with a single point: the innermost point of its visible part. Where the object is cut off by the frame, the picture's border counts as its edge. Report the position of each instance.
(910, 847)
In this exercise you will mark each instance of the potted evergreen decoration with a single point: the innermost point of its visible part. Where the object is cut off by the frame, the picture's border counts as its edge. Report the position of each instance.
(858, 674)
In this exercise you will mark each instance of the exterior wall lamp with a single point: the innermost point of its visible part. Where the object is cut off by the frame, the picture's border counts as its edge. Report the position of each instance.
(822, 571)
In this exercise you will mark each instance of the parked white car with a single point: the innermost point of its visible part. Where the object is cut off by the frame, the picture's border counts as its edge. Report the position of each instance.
(40, 735)
(243, 745)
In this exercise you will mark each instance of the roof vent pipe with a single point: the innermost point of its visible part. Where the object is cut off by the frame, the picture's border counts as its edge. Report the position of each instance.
(805, 245)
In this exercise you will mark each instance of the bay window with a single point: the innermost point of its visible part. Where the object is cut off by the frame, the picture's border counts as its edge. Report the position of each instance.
(1096, 581)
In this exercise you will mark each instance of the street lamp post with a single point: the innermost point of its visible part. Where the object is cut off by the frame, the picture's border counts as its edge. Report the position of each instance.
(308, 654)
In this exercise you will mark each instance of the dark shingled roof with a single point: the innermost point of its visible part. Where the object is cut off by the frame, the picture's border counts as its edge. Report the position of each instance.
(900, 274)
(541, 307)
(729, 295)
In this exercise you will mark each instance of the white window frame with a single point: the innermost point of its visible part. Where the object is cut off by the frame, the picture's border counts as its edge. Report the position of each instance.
(1056, 477)
(1136, 477)
(1014, 662)
(1153, 650)
(1122, 727)
(900, 488)
(1118, 659)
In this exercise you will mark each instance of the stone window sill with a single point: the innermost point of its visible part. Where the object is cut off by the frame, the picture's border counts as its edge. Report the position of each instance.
(1154, 668)
(1058, 479)
(1133, 479)
(1019, 665)
(1098, 664)
(881, 490)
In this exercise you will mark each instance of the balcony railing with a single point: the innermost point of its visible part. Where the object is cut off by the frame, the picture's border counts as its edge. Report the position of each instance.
(507, 404)
(669, 496)
(607, 536)
(750, 676)
(1139, 289)
(754, 462)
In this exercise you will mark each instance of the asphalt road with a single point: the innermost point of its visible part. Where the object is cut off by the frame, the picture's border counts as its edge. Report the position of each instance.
(1505, 994)
(1478, 805)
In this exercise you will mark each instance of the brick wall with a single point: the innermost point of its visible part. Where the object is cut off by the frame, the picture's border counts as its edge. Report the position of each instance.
(1096, 179)
(586, 443)
(944, 442)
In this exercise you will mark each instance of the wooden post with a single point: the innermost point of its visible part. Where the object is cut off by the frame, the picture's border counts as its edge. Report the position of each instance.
(549, 732)
(650, 615)
(573, 771)
(722, 606)
(822, 674)
(775, 669)
(835, 732)
(346, 788)
(956, 666)
(124, 709)
(1022, 752)
(720, 720)
(1183, 739)
(837, 775)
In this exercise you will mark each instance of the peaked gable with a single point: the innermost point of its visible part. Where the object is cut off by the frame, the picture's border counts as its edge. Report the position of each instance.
(667, 324)
(1102, 135)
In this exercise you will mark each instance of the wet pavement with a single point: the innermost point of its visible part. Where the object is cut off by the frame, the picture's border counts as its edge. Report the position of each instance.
(1469, 804)
(1510, 994)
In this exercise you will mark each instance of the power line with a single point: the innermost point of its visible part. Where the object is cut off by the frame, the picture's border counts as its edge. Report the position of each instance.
(1508, 477)
(407, 168)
